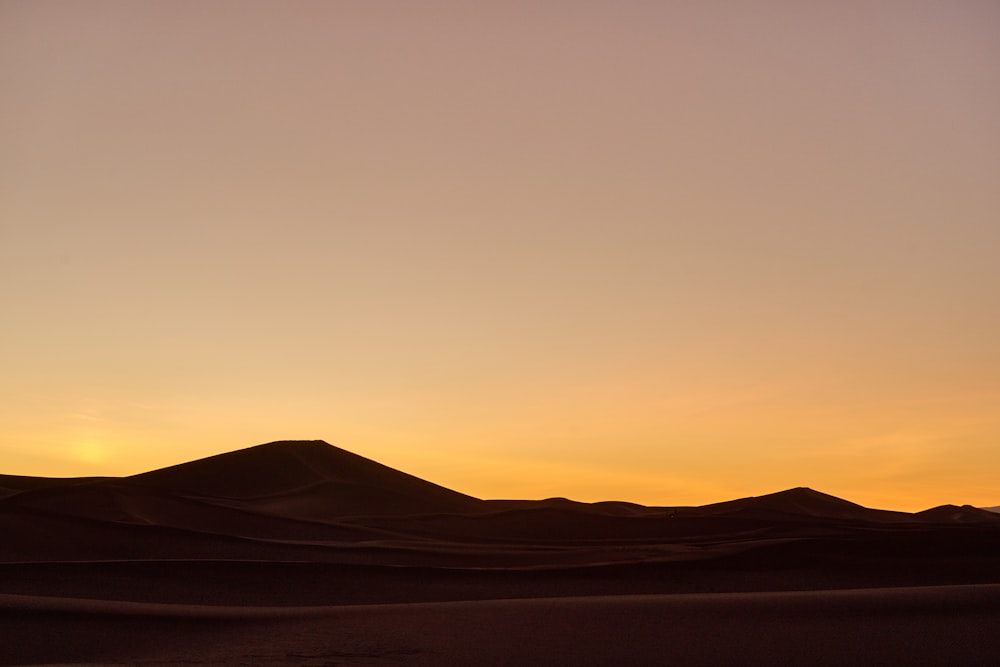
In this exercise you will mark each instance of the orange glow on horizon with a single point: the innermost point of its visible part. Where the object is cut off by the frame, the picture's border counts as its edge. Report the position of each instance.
(667, 253)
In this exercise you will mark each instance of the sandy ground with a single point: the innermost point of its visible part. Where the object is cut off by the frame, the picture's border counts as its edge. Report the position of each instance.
(300, 553)
(946, 625)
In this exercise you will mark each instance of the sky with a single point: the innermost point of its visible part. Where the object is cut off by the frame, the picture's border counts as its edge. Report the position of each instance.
(665, 252)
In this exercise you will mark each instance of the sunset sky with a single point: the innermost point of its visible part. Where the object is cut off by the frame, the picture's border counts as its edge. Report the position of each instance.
(667, 252)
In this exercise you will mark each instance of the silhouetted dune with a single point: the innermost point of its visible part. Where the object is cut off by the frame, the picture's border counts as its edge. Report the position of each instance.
(313, 477)
(797, 503)
(313, 502)
(13, 484)
(567, 525)
(611, 507)
(958, 514)
(305, 523)
(121, 503)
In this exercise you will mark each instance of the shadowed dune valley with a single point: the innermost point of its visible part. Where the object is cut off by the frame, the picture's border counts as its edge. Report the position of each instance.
(299, 552)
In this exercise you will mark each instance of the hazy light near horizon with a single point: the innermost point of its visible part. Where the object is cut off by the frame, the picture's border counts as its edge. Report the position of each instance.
(662, 252)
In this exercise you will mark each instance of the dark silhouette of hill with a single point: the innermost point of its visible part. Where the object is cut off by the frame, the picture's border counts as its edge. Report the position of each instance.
(308, 501)
(281, 500)
(307, 479)
(958, 514)
(13, 484)
(125, 570)
(798, 503)
(611, 507)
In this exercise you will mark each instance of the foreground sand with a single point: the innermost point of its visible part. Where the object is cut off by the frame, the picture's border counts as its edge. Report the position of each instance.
(945, 625)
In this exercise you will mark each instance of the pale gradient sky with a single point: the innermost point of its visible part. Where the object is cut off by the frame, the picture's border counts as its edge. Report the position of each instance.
(668, 252)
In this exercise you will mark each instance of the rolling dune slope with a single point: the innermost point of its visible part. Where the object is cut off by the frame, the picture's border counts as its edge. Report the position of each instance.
(308, 501)
(303, 553)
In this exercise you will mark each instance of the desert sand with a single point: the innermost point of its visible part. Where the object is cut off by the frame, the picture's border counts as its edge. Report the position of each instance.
(303, 553)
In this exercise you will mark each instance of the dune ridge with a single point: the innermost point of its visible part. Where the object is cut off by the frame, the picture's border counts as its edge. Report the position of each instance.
(310, 501)
(263, 546)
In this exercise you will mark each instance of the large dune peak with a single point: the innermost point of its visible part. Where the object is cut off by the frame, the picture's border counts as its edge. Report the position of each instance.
(310, 476)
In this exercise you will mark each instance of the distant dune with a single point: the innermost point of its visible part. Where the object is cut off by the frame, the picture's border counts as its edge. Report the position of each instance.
(956, 514)
(312, 529)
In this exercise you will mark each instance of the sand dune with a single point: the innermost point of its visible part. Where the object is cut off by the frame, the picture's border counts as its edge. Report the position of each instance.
(799, 502)
(11, 485)
(344, 482)
(958, 514)
(310, 501)
(320, 533)
(928, 626)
